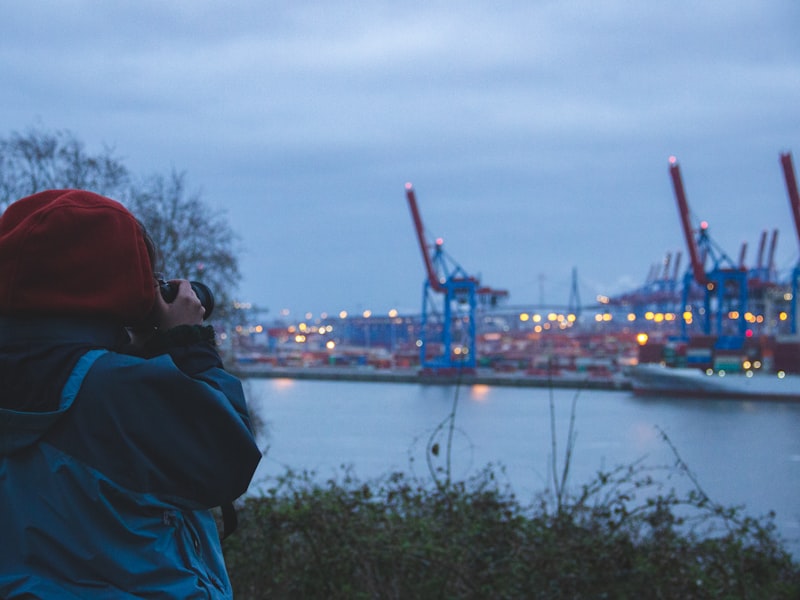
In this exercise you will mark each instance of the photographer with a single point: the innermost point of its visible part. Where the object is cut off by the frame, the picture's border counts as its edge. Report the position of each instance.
(114, 446)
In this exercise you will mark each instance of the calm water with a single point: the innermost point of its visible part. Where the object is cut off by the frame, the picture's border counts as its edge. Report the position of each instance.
(741, 452)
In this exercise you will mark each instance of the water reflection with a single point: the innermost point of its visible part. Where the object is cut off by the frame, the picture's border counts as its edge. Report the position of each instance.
(742, 453)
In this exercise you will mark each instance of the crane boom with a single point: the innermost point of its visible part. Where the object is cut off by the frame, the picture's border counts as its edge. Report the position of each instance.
(761, 247)
(771, 260)
(675, 273)
(683, 210)
(667, 260)
(791, 188)
(433, 279)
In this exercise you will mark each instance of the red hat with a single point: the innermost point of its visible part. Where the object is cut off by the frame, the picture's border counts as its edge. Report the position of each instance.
(72, 252)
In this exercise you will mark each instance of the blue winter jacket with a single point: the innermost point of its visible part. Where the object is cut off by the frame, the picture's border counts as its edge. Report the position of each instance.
(110, 464)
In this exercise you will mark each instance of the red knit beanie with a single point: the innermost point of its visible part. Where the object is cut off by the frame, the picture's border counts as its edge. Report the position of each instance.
(72, 252)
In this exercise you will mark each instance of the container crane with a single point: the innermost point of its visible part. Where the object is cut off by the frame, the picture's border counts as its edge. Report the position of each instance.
(663, 290)
(677, 267)
(724, 286)
(660, 290)
(762, 287)
(794, 203)
(450, 298)
(771, 274)
(761, 247)
(763, 274)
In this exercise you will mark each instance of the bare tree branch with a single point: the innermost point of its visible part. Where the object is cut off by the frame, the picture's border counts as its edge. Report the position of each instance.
(194, 241)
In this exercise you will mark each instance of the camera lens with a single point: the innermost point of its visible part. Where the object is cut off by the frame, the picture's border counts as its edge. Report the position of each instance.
(205, 296)
(169, 291)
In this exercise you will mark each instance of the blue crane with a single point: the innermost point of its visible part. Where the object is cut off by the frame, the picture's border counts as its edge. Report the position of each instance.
(450, 298)
(724, 287)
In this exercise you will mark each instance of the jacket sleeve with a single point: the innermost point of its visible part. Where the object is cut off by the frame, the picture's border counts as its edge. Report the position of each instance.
(192, 347)
(154, 428)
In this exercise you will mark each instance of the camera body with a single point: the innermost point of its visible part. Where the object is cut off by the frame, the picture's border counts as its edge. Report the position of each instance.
(169, 291)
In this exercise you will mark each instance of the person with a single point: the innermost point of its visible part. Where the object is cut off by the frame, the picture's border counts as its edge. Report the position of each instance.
(120, 431)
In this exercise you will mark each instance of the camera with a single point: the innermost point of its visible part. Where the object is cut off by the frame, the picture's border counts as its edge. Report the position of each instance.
(169, 291)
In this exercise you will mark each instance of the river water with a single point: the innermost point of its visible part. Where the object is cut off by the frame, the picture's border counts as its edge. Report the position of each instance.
(741, 452)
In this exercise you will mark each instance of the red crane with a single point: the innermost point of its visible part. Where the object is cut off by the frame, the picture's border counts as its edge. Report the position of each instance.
(761, 246)
(724, 286)
(433, 278)
(763, 273)
(794, 202)
(771, 260)
(676, 272)
(698, 268)
(450, 297)
(791, 188)
(438, 274)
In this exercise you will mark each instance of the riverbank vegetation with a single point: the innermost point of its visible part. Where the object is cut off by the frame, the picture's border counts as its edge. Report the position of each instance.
(635, 531)
(398, 538)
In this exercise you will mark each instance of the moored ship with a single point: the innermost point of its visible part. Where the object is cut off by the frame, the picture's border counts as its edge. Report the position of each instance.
(661, 380)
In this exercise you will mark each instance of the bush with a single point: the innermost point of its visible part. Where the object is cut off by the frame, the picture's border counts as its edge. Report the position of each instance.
(619, 537)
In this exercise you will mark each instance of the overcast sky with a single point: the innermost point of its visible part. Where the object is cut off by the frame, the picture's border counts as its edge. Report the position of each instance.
(536, 133)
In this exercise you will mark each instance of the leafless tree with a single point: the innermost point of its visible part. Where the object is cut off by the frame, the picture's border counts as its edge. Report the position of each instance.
(38, 160)
(195, 242)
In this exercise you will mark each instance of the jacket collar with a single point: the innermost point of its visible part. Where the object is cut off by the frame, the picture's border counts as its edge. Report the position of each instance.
(32, 329)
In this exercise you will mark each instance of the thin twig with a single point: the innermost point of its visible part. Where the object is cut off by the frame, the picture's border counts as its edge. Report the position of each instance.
(452, 428)
(571, 436)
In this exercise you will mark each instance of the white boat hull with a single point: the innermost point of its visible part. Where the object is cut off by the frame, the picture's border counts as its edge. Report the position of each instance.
(655, 379)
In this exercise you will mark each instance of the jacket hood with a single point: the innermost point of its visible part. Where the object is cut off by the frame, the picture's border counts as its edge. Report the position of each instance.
(73, 252)
(43, 361)
(22, 429)
(21, 426)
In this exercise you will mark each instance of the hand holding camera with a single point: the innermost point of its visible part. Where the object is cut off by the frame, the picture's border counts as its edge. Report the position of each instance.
(182, 302)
